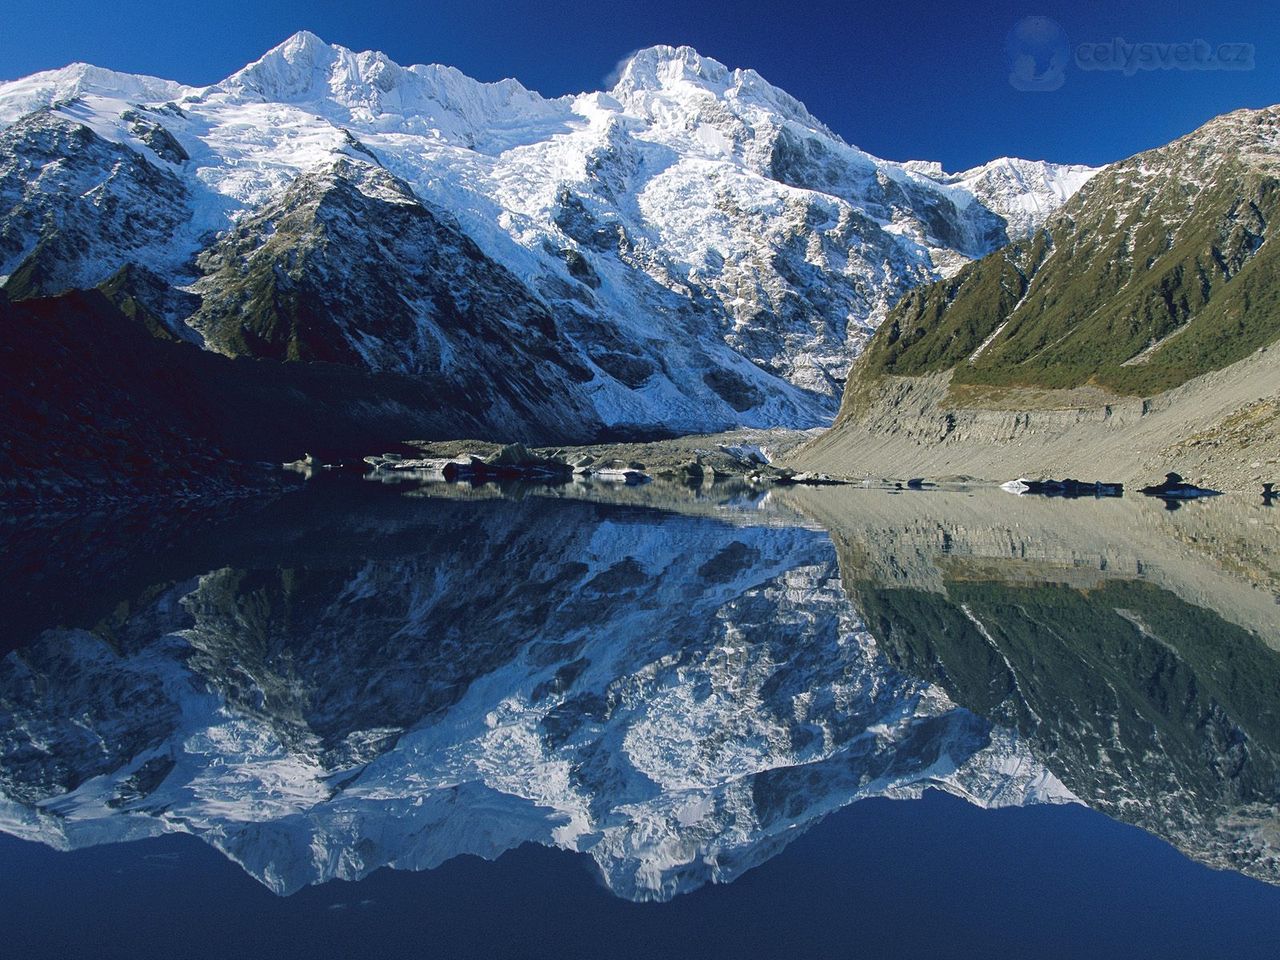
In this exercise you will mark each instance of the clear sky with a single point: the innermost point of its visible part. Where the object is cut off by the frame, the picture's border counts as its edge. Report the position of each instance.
(903, 80)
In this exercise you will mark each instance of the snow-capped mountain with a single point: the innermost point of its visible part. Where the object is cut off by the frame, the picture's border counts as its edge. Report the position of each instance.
(1024, 192)
(676, 697)
(708, 254)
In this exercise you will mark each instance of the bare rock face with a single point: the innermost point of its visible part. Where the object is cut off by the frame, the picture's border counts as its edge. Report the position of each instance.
(76, 208)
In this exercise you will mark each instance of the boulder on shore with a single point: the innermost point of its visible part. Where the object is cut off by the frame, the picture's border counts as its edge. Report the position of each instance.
(1068, 488)
(1173, 487)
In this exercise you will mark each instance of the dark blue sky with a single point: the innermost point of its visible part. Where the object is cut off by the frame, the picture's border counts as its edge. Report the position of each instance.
(902, 80)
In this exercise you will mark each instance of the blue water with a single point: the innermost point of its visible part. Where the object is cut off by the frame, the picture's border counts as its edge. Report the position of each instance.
(159, 664)
(934, 877)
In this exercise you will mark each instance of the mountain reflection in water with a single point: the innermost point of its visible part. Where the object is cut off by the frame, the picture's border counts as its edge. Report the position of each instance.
(353, 678)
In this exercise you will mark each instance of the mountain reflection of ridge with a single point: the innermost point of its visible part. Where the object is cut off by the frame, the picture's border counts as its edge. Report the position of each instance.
(372, 680)
(1134, 652)
(673, 695)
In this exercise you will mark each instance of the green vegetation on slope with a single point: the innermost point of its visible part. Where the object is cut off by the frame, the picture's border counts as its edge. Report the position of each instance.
(1158, 271)
(1103, 681)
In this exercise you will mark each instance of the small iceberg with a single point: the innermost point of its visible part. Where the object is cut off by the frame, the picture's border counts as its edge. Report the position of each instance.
(749, 453)
(808, 480)
(515, 461)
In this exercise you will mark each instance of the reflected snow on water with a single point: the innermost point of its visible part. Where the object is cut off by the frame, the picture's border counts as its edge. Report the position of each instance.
(362, 676)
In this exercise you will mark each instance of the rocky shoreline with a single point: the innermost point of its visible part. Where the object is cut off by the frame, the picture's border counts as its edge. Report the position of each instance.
(696, 459)
(1222, 428)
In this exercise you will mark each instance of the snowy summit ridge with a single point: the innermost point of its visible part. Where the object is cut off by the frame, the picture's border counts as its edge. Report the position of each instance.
(707, 252)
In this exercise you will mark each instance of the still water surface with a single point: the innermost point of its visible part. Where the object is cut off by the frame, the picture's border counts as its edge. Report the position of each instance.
(402, 721)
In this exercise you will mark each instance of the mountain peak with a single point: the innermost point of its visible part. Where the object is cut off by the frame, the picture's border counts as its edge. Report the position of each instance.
(78, 79)
(288, 70)
(661, 66)
(302, 48)
(300, 42)
(1246, 136)
(369, 87)
(665, 72)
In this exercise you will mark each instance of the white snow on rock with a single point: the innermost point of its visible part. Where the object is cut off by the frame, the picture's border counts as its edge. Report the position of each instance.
(1024, 192)
(692, 211)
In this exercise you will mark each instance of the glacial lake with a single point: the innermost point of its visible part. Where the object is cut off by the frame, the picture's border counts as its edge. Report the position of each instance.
(403, 720)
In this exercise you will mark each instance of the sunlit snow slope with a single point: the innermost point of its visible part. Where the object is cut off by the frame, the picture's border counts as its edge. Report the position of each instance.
(697, 249)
